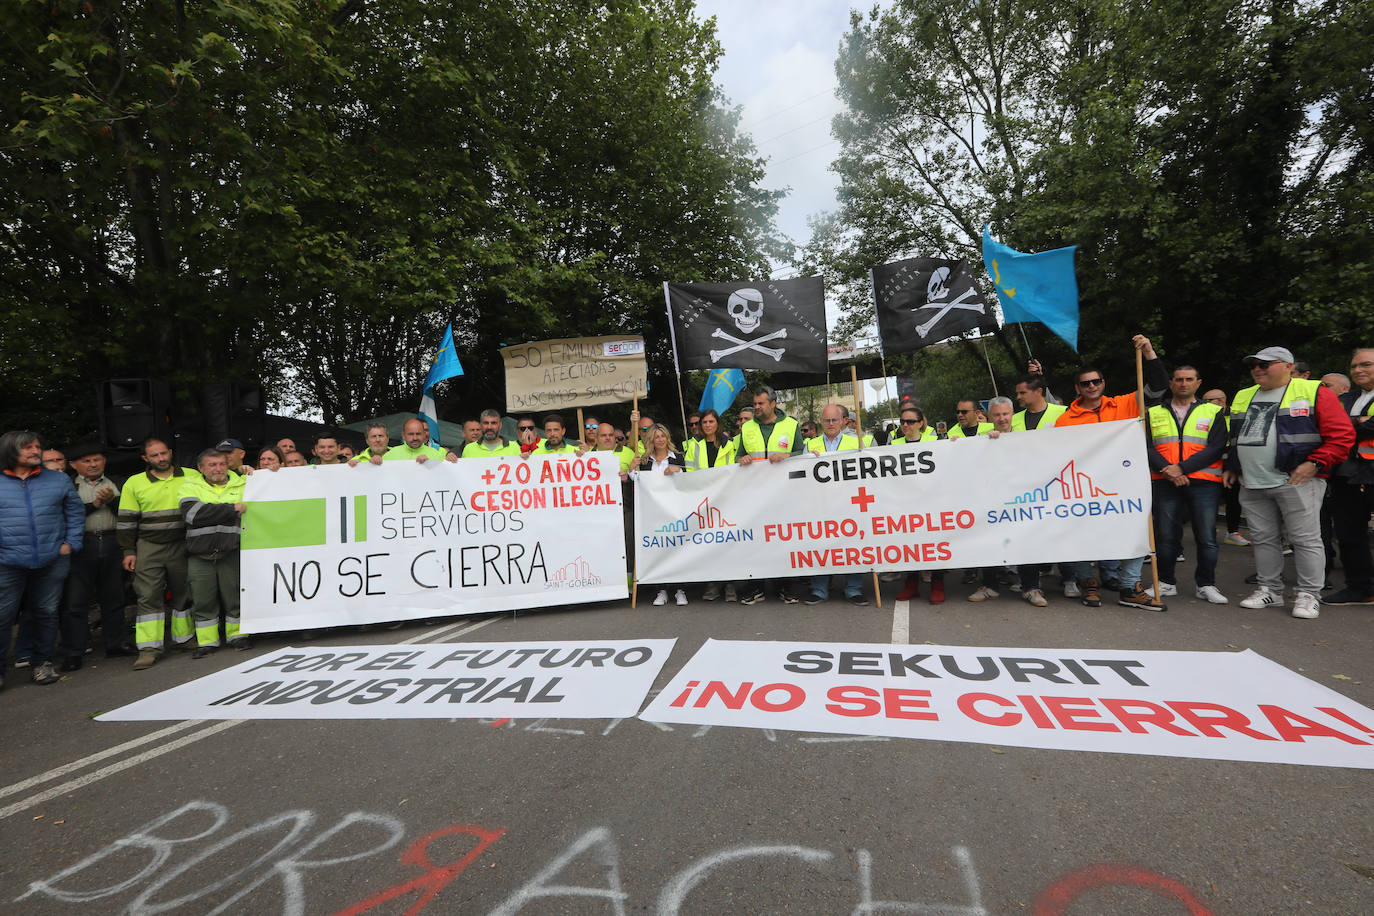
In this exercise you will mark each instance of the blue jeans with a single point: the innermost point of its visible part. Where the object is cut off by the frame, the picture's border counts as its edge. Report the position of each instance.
(853, 585)
(1129, 570)
(41, 591)
(1204, 498)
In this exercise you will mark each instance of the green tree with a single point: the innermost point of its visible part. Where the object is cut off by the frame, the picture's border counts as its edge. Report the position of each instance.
(1210, 159)
(307, 193)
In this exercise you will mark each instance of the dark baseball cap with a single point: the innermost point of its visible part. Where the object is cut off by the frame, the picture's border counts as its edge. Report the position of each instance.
(228, 445)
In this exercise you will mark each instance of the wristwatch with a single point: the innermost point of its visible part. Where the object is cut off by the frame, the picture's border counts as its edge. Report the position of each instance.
(1320, 467)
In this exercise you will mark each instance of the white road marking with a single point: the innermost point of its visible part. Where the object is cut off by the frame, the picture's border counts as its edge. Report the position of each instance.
(901, 623)
(450, 630)
(117, 767)
(50, 775)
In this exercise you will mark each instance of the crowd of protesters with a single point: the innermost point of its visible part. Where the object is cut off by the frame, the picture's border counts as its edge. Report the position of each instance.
(1294, 455)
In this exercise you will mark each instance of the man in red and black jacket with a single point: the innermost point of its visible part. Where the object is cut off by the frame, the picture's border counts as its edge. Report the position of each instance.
(1352, 487)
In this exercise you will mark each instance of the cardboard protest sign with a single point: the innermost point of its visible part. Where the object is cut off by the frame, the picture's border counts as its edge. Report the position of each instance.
(590, 680)
(574, 372)
(1046, 496)
(337, 545)
(1211, 705)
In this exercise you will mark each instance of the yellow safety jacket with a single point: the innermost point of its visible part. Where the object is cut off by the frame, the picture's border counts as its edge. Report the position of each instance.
(780, 440)
(478, 450)
(1052, 412)
(1177, 445)
(957, 432)
(404, 452)
(149, 508)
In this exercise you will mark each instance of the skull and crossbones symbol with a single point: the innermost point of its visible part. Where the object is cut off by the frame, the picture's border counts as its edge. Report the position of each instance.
(936, 290)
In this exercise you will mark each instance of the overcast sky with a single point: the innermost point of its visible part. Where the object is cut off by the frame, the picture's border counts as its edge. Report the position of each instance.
(779, 65)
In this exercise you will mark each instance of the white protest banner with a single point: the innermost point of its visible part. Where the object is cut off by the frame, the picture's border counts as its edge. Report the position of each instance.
(574, 372)
(576, 680)
(1046, 496)
(337, 545)
(1212, 705)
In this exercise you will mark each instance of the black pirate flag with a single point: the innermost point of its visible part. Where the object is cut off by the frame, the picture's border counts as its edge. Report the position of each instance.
(777, 325)
(921, 301)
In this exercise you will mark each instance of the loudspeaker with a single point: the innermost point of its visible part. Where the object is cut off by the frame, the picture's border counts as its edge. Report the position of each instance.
(133, 409)
(234, 411)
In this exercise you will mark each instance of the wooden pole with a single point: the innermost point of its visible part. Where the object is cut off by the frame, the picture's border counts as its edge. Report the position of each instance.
(1150, 518)
(582, 429)
(859, 424)
(682, 405)
(634, 443)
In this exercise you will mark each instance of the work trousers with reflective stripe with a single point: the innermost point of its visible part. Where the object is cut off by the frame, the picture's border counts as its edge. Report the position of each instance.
(1295, 510)
(214, 589)
(156, 568)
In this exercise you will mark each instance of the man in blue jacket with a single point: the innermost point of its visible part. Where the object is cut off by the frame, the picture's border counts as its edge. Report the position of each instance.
(41, 525)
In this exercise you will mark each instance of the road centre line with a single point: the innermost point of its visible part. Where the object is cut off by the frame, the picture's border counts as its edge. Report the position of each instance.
(116, 767)
(456, 629)
(63, 770)
(901, 623)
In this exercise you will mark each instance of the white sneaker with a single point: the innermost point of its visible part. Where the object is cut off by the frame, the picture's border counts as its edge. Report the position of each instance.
(1211, 594)
(661, 598)
(681, 597)
(983, 594)
(1236, 539)
(730, 591)
(1306, 606)
(1035, 597)
(1261, 597)
(1165, 590)
(1071, 589)
(891, 576)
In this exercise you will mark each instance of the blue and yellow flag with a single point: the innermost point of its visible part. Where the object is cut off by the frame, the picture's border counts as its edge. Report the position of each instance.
(1035, 287)
(722, 387)
(446, 365)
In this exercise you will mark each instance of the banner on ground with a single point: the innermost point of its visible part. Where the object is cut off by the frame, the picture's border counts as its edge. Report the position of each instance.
(1044, 496)
(921, 301)
(1211, 705)
(778, 325)
(337, 545)
(591, 680)
(574, 372)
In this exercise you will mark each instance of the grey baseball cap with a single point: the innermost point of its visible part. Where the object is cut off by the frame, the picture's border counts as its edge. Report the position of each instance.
(1271, 355)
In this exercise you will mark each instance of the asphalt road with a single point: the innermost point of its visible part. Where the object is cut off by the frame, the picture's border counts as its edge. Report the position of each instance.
(607, 816)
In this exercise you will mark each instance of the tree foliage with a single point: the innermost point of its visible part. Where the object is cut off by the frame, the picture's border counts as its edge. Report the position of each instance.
(1210, 158)
(305, 194)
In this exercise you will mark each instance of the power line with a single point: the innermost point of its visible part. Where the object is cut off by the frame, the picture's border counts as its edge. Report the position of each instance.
(806, 153)
(825, 117)
(780, 111)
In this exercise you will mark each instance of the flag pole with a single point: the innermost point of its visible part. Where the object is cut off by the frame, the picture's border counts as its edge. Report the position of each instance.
(581, 430)
(1021, 326)
(1150, 516)
(984, 341)
(634, 443)
(682, 405)
(859, 422)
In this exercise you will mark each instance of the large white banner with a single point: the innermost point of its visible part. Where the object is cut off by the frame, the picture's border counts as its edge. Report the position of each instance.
(1213, 705)
(1046, 496)
(336, 545)
(574, 680)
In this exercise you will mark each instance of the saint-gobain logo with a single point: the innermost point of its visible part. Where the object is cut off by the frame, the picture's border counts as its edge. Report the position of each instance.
(573, 574)
(1069, 494)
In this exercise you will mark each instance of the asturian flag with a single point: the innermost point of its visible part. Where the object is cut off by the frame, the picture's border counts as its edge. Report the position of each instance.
(722, 387)
(922, 301)
(446, 365)
(777, 325)
(1035, 287)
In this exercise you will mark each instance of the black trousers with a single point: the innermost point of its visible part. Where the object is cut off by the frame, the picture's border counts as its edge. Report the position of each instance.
(97, 576)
